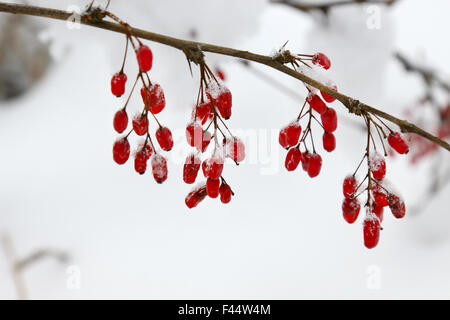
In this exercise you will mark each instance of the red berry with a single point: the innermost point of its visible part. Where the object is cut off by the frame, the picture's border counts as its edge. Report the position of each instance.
(350, 209)
(118, 81)
(154, 98)
(397, 206)
(147, 150)
(121, 150)
(235, 149)
(225, 193)
(316, 103)
(329, 141)
(379, 196)
(144, 58)
(140, 161)
(378, 211)
(349, 186)
(205, 168)
(221, 97)
(293, 158)
(191, 168)
(371, 231)
(159, 168)
(327, 97)
(164, 137)
(321, 59)
(282, 138)
(214, 167)
(120, 121)
(194, 134)
(220, 74)
(397, 143)
(195, 197)
(206, 140)
(140, 124)
(329, 120)
(378, 166)
(314, 165)
(212, 187)
(203, 112)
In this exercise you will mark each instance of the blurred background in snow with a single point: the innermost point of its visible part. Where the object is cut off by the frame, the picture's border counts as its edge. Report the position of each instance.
(282, 235)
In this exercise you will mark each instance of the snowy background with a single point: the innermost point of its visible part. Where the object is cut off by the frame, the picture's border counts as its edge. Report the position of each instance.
(282, 235)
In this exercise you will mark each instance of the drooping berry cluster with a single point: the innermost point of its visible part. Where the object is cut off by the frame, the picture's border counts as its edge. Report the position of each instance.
(291, 137)
(213, 107)
(154, 102)
(379, 194)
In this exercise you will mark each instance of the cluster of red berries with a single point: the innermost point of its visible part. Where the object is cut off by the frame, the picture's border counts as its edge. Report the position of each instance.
(154, 102)
(210, 112)
(378, 194)
(291, 137)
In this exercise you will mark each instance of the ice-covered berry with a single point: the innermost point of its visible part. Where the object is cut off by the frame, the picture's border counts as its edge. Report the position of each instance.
(327, 97)
(371, 231)
(140, 124)
(329, 141)
(164, 137)
(144, 58)
(191, 168)
(397, 206)
(212, 187)
(316, 103)
(350, 209)
(314, 165)
(293, 158)
(121, 150)
(398, 143)
(154, 98)
(321, 59)
(329, 120)
(225, 193)
(120, 121)
(377, 165)
(349, 186)
(235, 149)
(118, 82)
(195, 196)
(159, 168)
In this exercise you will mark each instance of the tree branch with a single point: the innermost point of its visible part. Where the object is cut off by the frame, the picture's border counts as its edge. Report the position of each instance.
(95, 19)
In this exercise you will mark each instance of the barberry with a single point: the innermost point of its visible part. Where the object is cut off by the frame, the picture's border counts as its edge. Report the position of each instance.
(212, 187)
(316, 103)
(191, 168)
(350, 209)
(349, 186)
(144, 58)
(120, 121)
(164, 137)
(154, 98)
(329, 120)
(235, 149)
(121, 150)
(140, 161)
(195, 197)
(293, 158)
(225, 193)
(118, 81)
(377, 165)
(314, 165)
(398, 143)
(322, 60)
(371, 231)
(329, 141)
(327, 97)
(159, 168)
(397, 206)
(140, 124)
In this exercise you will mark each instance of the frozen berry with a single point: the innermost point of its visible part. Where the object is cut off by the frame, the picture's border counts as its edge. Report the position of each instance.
(225, 193)
(293, 158)
(379, 196)
(191, 168)
(203, 112)
(194, 134)
(350, 209)
(235, 149)
(349, 186)
(164, 137)
(378, 166)
(397, 206)
(140, 161)
(214, 167)
(282, 138)
(120, 121)
(159, 168)
(378, 211)
(322, 60)
(220, 74)
(140, 124)
(329, 141)
(305, 160)
(212, 187)
(397, 143)
(329, 120)
(371, 231)
(206, 140)
(316, 103)
(221, 97)
(154, 98)
(195, 197)
(327, 97)
(144, 57)
(314, 165)
(121, 150)
(118, 81)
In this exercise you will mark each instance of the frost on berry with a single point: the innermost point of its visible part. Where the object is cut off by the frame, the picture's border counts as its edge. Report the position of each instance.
(195, 196)
(322, 60)
(194, 133)
(314, 165)
(379, 196)
(154, 98)
(140, 161)
(140, 124)
(349, 186)
(145, 58)
(329, 141)
(397, 206)
(327, 97)
(329, 120)
(316, 103)
(214, 165)
(164, 137)
(206, 139)
(350, 209)
(378, 211)
(118, 82)
(159, 168)
(191, 168)
(377, 165)
(212, 187)
(121, 150)
(282, 138)
(235, 149)
(293, 158)
(371, 230)
(398, 143)
(203, 111)
(221, 98)
(225, 193)
(120, 121)
(305, 160)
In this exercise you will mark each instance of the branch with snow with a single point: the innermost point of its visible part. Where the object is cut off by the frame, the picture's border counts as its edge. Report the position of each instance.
(95, 18)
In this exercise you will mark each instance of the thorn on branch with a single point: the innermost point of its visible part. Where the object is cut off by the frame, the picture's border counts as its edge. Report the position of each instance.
(283, 57)
(93, 14)
(354, 106)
